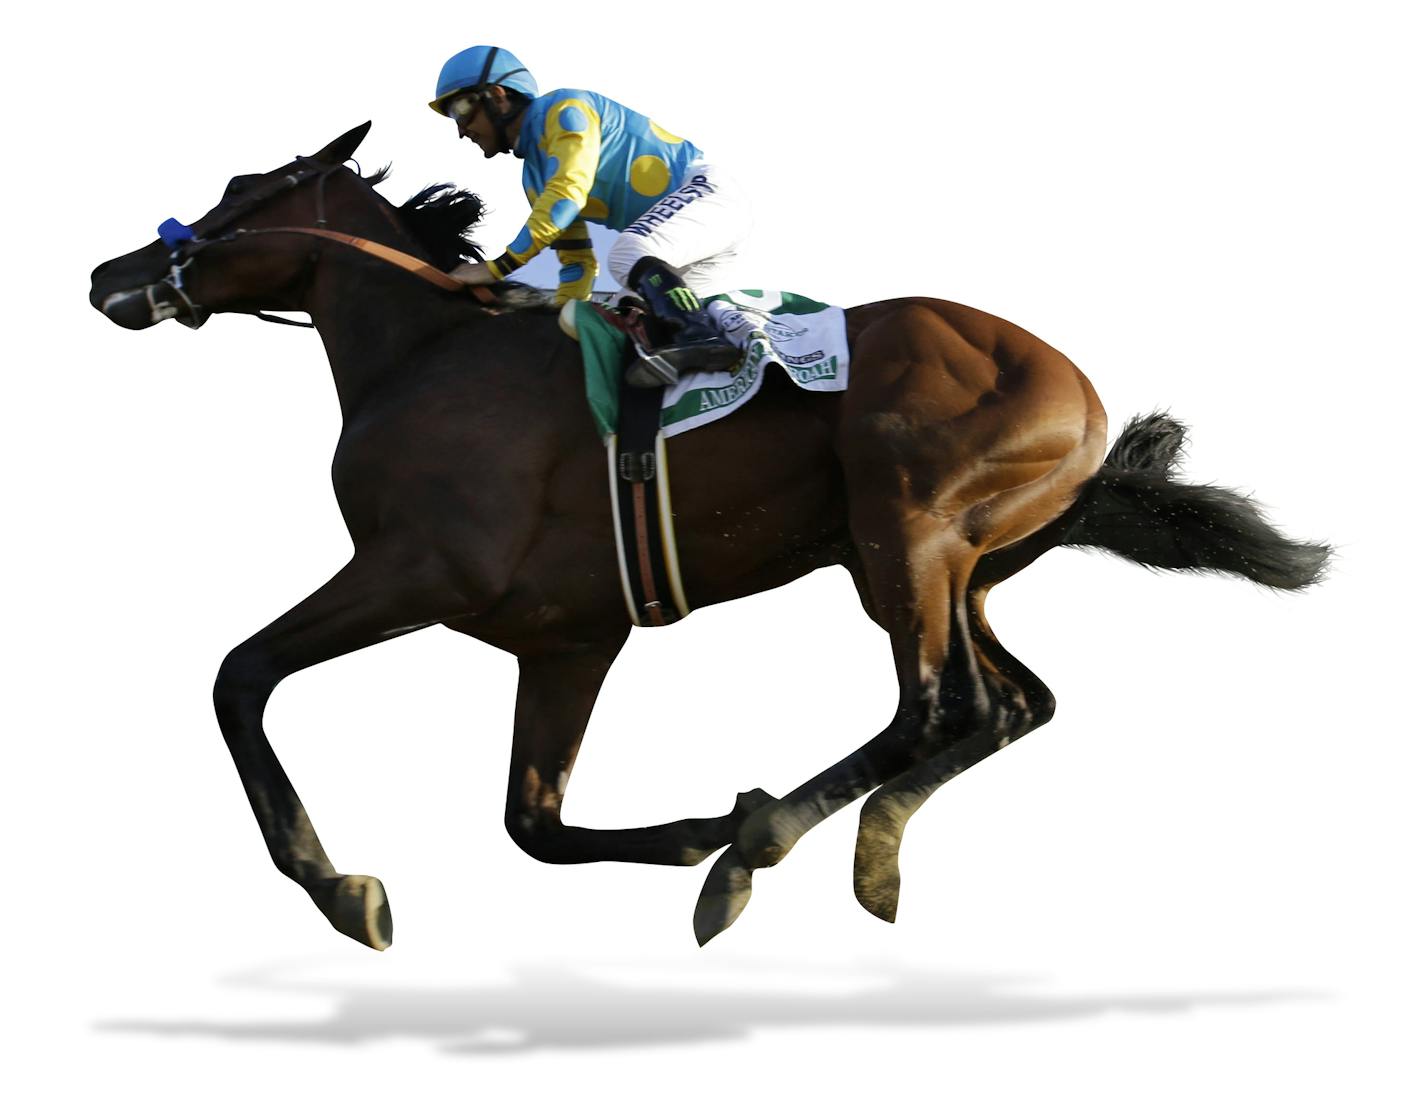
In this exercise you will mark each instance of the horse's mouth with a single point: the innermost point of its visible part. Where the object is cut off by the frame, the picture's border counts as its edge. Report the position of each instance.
(130, 309)
(140, 309)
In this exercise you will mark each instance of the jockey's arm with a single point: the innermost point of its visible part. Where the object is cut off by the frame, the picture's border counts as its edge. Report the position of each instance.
(578, 265)
(555, 210)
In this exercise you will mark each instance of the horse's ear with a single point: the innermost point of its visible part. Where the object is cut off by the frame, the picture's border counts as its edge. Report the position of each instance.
(344, 147)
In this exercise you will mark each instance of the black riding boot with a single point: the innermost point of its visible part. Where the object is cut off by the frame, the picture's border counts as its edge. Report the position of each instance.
(684, 336)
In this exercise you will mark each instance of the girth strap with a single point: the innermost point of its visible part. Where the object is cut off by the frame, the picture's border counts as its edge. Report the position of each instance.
(642, 511)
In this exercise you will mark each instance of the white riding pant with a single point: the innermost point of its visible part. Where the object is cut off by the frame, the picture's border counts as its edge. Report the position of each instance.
(696, 229)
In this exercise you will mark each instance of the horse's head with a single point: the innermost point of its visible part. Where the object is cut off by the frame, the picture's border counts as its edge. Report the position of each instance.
(194, 270)
(230, 260)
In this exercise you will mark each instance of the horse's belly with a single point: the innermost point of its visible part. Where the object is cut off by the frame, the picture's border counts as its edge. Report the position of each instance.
(757, 501)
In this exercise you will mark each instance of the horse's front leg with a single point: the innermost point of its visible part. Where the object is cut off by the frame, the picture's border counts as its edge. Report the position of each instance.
(381, 593)
(556, 696)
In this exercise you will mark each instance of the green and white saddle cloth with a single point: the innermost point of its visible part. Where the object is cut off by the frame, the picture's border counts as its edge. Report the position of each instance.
(804, 337)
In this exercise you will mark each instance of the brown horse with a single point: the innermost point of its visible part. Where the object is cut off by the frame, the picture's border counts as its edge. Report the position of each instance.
(473, 486)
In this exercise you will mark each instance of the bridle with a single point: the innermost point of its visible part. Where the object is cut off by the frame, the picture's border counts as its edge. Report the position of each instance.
(184, 246)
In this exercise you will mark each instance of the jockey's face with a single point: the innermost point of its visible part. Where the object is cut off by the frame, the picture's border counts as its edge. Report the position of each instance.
(472, 120)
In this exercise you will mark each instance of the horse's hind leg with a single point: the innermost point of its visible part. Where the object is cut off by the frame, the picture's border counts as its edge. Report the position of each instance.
(954, 445)
(377, 595)
(915, 568)
(556, 696)
(1018, 702)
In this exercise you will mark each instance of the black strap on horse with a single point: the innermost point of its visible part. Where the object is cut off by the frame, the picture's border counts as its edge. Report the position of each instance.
(640, 493)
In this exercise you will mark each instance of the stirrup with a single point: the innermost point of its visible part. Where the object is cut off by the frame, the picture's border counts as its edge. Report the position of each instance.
(661, 367)
(651, 370)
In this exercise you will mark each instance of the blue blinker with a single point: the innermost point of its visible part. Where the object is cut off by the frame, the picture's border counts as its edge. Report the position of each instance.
(172, 233)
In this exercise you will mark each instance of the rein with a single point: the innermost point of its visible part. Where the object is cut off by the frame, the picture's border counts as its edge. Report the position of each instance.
(184, 245)
(401, 259)
(407, 262)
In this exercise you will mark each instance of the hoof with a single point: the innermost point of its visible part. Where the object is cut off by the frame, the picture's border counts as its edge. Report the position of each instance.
(356, 905)
(724, 895)
(877, 861)
(877, 888)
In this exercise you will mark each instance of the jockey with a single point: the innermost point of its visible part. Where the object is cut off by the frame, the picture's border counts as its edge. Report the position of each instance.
(590, 159)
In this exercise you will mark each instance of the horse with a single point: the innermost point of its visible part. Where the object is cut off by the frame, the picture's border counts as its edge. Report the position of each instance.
(473, 487)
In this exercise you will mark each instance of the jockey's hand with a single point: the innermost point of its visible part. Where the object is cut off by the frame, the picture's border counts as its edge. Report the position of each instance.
(473, 273)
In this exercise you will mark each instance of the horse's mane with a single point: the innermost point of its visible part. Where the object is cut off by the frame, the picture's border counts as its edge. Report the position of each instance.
(440, 218)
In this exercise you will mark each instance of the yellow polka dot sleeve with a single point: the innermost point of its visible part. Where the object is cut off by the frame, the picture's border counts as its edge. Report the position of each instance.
(578, 265)
(571, 144)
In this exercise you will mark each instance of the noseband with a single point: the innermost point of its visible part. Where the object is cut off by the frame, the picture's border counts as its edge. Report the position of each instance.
(185, 244)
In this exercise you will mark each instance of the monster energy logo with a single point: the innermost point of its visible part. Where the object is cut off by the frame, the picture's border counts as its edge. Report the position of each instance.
(684, 298)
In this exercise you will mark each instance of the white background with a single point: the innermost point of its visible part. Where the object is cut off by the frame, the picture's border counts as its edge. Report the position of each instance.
(1201, 876)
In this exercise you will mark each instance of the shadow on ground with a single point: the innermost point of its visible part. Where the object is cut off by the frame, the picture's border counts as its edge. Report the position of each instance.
(545, 1007)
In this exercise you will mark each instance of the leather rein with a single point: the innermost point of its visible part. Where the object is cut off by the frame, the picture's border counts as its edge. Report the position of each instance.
(184, 245)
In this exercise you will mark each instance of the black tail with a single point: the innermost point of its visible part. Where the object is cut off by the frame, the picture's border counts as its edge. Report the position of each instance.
(1135, 508)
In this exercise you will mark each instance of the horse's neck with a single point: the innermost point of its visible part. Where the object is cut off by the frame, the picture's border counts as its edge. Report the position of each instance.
(371, 317)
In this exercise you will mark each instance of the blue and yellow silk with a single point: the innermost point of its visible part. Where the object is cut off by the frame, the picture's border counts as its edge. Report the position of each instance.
(587, 158)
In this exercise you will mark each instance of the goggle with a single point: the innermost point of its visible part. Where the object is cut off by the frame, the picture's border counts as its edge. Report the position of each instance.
(462, 108)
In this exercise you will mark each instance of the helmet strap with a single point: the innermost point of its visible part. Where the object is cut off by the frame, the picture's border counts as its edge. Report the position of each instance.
(501, 120)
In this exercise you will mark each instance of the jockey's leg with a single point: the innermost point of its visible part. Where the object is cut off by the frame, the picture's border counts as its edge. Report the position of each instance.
(683, 249)
(676, 308)
(696, 229)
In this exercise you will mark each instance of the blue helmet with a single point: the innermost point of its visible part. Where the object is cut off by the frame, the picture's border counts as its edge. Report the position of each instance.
(480, 66)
